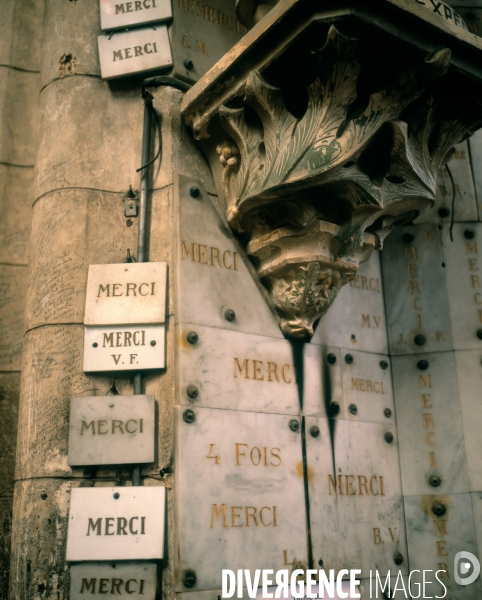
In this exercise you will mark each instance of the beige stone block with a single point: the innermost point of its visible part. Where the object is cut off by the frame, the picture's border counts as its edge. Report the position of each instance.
(9, 393)
(73, 29)
(54, 356)
(70, 230)
(13, 288)
(90, 135)
(7, 10)
(16, 197)
(18, 96)
(28, 33)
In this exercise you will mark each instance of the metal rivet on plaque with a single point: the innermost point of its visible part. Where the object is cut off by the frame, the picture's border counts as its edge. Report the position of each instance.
(438, 508)
(422, 365)
(331, 358)
(188, 64)
(229, 314)
(419, 339)
(116, 496)
(389, 437)
(353, 409)
(434, 480)
(95, 344)
(408, 237)
(189, 416)
(387, 412)
(153, 343)
(333, 408)
(192, 391)
(469, 234)
(398, 558)
(192, 337)
(294, 425)
(384, 364)
(194, 191)
(189, 578)
(443, 212)
(479, 334)
(314, 431)
(349, 359)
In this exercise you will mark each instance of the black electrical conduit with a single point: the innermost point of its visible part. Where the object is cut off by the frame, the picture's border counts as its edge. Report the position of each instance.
(160, 81)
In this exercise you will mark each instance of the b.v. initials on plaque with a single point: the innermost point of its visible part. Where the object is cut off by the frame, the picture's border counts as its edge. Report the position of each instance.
(125, 312)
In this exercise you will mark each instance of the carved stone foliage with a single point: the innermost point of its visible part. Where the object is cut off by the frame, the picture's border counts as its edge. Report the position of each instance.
(313, 187)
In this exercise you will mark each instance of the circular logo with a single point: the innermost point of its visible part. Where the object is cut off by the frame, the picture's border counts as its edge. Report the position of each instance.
(463, 562)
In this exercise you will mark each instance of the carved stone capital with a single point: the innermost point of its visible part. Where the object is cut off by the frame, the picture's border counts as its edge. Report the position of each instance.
(333, 139)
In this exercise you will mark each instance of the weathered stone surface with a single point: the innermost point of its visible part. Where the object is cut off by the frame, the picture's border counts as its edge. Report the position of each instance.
(464, 283)
(55, 356)
(415, 294)
(434, 540)
(469, 375)
(245, 516)
(16, 197)
(235, 370)
(9, 393)
(357, 318)
(6, 502)
(13, 285)
(6, 31)
(429, 420)
(26, 51)
(18, 97)
(73, 229)
(73, 29)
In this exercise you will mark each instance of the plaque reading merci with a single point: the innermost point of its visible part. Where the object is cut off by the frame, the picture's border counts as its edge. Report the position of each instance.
(125, 311)
(116, 523)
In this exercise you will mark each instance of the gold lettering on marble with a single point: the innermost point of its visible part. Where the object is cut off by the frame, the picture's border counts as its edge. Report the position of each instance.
(411, 253)
(122, 524)
(217, 458)
(426, 398)
(259, 370)
(371, 284)
(218, 512)
(366, 385)
(377, 537)
(209, 255)
(471, 248)
(345, 485)
(440, 527)
(256, 456)
(422, 383)
(427, 420)
(366, 321)
(474, 281)
(241, 516)
(432, 460)
(213, 15)
(428, 439)
(441, 549)
(117, 425)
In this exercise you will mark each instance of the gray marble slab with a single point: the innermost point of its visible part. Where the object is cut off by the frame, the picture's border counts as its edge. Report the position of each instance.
(136, 51)
(356, 320)
(116, 523)
(415, 294)
(236, 371)
(124, 348)
(202, 34)
(463, 272)
(134, 580)
(322, 385)
(111, 430)
(115, 14)
(477, 509)
(469, 375)
(429, 423)
(211, 276)
(239, 494)
(367, 387)
(356, 506)
(475, 147)
(434, 540)
(465, 200)
(127, 293)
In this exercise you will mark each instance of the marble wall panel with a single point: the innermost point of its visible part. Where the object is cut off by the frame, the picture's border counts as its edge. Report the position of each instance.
(356, 320)
(237, 371)
(240, 494)
(429, 423)
(366, 530)
(464, 283)
(469, 375)
(322, 383)
(211, 275)
(438, 527)
(475, 147)
(465, 208)
(477, 509)
(415, 295)
(367, 387)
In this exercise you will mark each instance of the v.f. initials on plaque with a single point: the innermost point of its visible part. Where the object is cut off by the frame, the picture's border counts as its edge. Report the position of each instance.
(125, 311)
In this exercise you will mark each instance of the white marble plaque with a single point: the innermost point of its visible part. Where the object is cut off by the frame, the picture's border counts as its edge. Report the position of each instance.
(124, 348)
(463, 272)
(435, 539)
(356, 320)
(475, 146)
(133, 580)
(429, 423)
(126, 294)
(367, 387)
(111, 430)
(469, 375)
(237, 371)
(116, 523)
(415, 294)
(322, 385)
(477, 509)
(368, 491)
(211, 276)
(465, 201)
(240, 494)
(116, 14)
(136, 51)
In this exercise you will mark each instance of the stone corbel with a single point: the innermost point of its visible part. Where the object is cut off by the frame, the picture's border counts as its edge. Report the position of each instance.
(317, 162)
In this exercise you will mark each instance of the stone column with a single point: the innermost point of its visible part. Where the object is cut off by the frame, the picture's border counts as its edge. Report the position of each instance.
(20, 37)
(89, 148)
